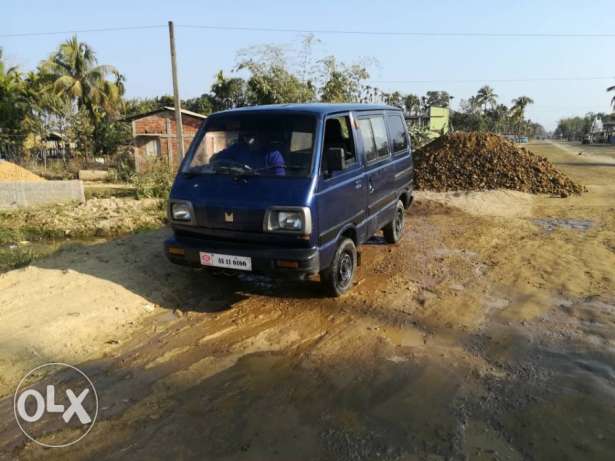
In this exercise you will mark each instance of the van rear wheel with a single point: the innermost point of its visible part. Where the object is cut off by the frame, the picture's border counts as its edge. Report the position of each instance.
(395, 229)
(338, 278)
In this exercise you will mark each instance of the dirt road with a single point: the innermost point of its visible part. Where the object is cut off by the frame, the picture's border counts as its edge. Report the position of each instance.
(488, 333)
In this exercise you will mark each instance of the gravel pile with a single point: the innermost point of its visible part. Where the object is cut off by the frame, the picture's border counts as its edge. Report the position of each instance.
(11, 172)
(485, 161)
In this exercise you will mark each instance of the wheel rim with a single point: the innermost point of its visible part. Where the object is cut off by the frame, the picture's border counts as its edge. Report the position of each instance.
(344, 270)
(399, 222)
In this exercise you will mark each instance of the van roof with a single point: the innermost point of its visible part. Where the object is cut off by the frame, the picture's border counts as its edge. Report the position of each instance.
(316, 108)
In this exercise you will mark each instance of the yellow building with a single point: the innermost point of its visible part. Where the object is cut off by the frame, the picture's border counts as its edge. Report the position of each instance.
(438, 121)
(435, 120)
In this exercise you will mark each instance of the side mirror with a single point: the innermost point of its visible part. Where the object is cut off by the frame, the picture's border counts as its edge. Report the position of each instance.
(335, 159)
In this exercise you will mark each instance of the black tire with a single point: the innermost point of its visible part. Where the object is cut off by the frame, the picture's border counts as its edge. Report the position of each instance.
(395, 229)
(338, 278)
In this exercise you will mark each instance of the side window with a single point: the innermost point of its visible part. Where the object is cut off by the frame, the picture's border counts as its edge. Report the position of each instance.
(380, 136)
(338, 133)
(399, 140)
(367, 136)
(374, 136)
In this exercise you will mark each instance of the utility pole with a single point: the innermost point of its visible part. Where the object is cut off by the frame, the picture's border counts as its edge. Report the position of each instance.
(179, 129)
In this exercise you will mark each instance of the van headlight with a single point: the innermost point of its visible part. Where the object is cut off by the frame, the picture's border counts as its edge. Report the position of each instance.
(296, 220)
(181, 211)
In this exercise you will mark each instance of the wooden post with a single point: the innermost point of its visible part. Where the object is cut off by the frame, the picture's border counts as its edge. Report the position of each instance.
(179, 129)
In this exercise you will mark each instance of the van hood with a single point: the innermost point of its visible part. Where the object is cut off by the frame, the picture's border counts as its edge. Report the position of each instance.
(238, 203)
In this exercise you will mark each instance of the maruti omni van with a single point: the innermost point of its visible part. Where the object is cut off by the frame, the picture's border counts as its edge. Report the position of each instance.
(291, 190)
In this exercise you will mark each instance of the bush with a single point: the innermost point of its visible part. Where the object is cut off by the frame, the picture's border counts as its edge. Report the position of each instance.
(154, 182)
(122, 167)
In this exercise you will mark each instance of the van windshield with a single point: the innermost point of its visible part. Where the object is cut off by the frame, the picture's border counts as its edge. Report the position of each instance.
(255, 144)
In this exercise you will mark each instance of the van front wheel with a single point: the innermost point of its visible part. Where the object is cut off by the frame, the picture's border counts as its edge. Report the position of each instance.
(394, 230)
(338, 278)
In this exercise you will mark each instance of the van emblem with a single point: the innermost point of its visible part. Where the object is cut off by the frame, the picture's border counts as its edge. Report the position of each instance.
(228, 216)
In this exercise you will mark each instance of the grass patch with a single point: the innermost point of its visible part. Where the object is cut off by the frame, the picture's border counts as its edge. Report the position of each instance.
(109, 191)
(33, 233)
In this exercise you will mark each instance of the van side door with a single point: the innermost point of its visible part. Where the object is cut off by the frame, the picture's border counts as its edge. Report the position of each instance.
(341, 194)
(377, 157)
(402, 168)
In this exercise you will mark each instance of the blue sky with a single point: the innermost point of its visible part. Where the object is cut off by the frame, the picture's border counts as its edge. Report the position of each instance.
(143, 56)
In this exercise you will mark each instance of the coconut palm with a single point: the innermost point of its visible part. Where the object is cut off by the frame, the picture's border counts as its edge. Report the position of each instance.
(14, 103)
(74, 74)
(486, 97)
(518, 110)
(520, 103)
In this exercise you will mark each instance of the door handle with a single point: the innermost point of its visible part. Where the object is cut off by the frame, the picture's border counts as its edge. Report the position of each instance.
(358, 184)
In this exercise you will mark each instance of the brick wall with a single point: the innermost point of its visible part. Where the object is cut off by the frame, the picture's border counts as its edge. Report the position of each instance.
(161, 126)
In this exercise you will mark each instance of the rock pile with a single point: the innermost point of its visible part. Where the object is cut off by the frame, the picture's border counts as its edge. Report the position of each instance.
(11, 172)
(485, 161)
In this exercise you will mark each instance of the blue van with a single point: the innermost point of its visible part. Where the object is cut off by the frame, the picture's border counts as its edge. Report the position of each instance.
(291, 189)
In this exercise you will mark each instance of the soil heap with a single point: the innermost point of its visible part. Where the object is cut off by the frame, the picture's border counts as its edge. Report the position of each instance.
(11, 172)
(486, 161)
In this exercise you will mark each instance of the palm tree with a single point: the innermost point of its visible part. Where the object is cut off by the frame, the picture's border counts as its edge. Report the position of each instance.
(73, 74)
(412, 104)
(612, 88)
(14, 102)
(486, 97)
(518, 109)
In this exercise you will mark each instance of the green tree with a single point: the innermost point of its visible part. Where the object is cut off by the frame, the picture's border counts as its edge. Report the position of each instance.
(227, 93)
(486, 98)
(13, 98)
(74, 74)
(394, 99)
(518, 111)
(412, 104)
(437, 99)
(342, 83)
(136, 106)
(271, 81)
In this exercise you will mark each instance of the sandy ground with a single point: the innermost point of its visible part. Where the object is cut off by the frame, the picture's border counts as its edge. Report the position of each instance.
(487, 333)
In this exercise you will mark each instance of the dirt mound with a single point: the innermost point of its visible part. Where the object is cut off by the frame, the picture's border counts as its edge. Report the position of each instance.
(106, 217)
(11, 172)
(485, 161)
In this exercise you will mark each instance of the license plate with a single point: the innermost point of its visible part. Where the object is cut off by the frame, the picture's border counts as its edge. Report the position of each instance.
(242, 263)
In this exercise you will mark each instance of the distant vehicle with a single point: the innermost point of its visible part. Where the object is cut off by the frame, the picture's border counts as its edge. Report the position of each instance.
(291, 190)
(516, 138)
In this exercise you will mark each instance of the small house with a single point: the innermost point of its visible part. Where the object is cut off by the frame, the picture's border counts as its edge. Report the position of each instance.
(154, 135)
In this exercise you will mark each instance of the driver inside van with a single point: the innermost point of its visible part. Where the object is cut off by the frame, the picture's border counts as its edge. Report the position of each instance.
(256, 151)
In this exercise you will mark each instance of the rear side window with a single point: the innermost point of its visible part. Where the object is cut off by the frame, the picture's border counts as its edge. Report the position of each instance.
(374, 135)
(399, 140)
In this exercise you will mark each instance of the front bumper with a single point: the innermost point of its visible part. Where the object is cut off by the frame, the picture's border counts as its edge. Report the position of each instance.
(265, 259)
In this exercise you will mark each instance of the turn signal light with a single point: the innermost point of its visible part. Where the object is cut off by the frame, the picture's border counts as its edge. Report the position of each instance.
(288, 264)
(176, 251)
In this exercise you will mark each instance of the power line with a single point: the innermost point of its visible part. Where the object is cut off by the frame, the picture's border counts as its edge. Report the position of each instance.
(82, 31)
(324, 31)
(506, 80)
(401, 33)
